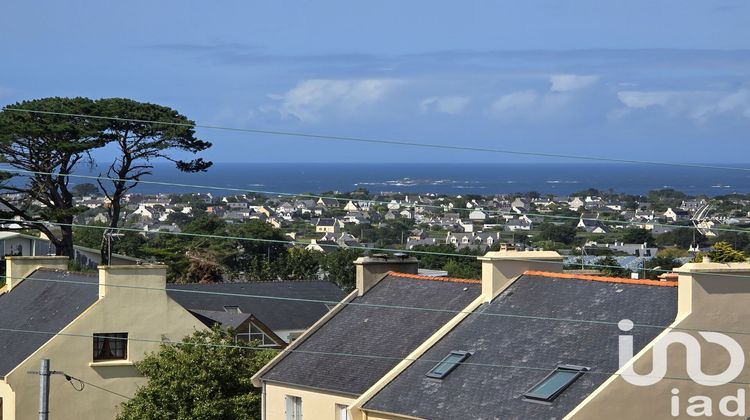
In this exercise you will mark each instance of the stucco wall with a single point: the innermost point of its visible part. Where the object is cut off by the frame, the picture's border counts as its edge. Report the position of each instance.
(143, 314)
(315, 404)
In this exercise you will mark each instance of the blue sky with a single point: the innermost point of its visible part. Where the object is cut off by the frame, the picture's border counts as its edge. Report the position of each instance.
(667, 80)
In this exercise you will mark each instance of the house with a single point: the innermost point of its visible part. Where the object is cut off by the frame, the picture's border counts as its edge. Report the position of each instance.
(639, 250)
(519, 205)
(19, 244)
(676, 214)
(514, 224)
(519, 346)
(96, 327)
(477, 216)
(275, 321)
(576, 203)
(319, 385)
(79, 312)
(592, 226)
(327, 225)
(328, 203)
(351, 206)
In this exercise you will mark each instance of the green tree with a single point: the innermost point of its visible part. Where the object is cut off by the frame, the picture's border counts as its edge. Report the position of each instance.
(139, 143)
(680, 237)
(723, 252)
(610, 267)
(45, 144)
(659, 265)
(565, 234)
(637, 236)
(205, 377)
(300, 264)
(340, 269)
(87, 188)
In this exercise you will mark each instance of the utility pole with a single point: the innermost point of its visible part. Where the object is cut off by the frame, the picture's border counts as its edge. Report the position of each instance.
(44, 374)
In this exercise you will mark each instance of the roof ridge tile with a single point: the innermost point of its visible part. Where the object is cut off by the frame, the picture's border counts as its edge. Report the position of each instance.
(620, 280)
(433, 278)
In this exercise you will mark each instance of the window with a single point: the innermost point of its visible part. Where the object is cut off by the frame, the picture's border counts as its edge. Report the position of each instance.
(341, 413)
(442, 369)
(110, 346)
(257, 335)
(233, 309)
(293, 408)
(555, 383)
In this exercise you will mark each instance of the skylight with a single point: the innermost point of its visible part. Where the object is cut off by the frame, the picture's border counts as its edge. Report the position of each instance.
(232, 309)
(451, 361)
(555, 383)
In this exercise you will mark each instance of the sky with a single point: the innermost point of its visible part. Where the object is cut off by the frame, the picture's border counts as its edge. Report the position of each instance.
(666, 81)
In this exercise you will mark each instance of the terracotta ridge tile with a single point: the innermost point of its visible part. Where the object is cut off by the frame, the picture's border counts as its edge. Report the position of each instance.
(621, 280)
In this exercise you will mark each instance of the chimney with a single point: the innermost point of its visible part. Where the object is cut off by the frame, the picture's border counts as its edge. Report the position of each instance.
(18, 267)
(125, 280)
(714, 291)
(370, 270)
(501, 267)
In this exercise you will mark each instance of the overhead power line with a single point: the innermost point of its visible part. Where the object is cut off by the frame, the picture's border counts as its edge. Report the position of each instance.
(415, 205)
(343, 354)
(314, 136)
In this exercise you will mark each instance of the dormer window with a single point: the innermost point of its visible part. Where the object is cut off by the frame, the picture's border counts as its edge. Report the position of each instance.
(555, 383)
(446, 366)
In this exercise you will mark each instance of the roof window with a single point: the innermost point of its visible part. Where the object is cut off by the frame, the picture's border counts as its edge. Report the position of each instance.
(555, 383)
(446, 366)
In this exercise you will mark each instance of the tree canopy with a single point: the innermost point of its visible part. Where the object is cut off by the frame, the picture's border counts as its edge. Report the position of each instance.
(206, 376)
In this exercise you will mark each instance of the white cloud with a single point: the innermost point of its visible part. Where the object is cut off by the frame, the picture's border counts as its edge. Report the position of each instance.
(697, 105)
(571, 82)
(311, 98)
(514, 102)
(445, 104)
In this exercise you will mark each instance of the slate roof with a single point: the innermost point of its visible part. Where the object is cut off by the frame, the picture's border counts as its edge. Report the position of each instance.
(472, 391)
(38, 305)
(370, 330)
(274, 313)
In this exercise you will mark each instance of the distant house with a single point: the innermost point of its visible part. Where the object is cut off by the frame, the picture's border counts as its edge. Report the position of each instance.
(328, 203)
(513, 225)
(592, 226)
(638, 250)
(351, 206)
(477, 216)
(676, 214)
(390, 215)
(576, 203)
(327, 225)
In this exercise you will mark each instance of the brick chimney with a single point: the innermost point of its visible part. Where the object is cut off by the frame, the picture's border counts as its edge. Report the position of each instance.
(370, 270)
(717, 291)
(18, 267)
(501, 267)
(124, 280)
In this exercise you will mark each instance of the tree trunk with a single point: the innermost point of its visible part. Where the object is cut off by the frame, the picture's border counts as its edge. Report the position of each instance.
(66, 240)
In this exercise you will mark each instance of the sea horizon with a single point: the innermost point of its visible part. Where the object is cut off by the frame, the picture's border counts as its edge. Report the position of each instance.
(445, 178)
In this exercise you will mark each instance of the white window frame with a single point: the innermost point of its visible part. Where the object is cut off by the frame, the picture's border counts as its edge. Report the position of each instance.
(292, 407)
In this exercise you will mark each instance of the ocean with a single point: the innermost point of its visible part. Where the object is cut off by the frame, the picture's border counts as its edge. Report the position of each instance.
(453, 179)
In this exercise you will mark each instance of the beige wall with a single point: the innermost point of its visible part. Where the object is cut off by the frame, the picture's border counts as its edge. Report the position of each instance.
(315, 404)
(707, 303)
(143, 314)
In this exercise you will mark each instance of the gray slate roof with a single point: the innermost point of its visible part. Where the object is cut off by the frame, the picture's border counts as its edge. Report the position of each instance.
(386, 332)
(274, 313)
(472, 391)
(38, 305)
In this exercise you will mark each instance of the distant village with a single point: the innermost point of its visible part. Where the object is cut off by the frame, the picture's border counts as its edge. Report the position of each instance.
(593, 223)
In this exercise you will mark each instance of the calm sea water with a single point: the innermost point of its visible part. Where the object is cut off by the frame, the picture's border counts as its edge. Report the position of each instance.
(452, 178)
